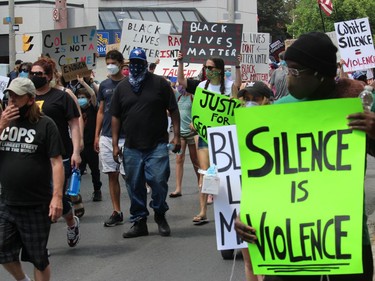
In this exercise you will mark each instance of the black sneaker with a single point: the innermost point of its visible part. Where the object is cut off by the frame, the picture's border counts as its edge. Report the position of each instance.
(114, 219)
(97, 196)
(139, 228)
(164, 229)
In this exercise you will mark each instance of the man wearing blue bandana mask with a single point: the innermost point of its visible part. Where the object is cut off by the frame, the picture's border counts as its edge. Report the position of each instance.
(139, 106)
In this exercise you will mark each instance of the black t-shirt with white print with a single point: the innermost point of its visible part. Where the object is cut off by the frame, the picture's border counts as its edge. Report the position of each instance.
(25, 167)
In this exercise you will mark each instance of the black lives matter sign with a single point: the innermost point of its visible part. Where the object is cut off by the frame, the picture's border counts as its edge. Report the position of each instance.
(203, 40)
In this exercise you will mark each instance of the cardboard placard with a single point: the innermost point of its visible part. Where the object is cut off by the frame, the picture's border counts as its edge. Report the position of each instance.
(71, 71)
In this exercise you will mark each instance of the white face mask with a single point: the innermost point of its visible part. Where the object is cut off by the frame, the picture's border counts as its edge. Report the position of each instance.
(113, 69)
(251, 103)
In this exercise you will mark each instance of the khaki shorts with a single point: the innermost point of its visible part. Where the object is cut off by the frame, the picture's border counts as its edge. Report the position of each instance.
(109, 165)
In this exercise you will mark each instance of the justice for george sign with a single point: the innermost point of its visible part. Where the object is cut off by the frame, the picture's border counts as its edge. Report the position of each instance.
(203, 40)
(297, 183)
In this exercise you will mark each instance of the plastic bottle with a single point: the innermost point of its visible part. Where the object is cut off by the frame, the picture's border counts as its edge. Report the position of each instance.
(367, 98)
(171, 147)
(75, 183)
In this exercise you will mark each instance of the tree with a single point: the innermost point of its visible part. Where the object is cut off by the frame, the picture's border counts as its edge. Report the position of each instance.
(272, 18)
(306, 15)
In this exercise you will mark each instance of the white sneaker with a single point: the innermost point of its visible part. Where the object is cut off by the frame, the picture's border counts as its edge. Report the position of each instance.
(72, 234)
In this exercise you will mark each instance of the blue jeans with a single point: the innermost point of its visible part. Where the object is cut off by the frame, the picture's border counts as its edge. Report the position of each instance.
(151, 166)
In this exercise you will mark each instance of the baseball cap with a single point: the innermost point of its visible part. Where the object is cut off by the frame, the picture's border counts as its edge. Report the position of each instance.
(18, 62)
(137, 53)
(257, 89)
(21, 86)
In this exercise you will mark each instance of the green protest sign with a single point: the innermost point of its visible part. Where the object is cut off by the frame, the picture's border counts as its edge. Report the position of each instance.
(302, 186)
(212, 110)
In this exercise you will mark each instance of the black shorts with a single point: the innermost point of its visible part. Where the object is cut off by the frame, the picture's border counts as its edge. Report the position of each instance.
(26, 228)
(368, 269)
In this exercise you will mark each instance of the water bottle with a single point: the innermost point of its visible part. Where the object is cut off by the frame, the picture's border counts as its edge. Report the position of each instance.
(75, 183)
(171, 147)
(367, 98)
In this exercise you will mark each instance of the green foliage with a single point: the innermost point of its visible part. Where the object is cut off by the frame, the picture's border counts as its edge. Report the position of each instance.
(305, 15)
(272, 17)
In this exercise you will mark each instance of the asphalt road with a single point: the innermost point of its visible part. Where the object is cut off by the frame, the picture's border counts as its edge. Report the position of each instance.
(188, 254)
(102, 254)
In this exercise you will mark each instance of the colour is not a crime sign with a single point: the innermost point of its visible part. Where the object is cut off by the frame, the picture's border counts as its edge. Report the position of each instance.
(302, 186)
(211, 110)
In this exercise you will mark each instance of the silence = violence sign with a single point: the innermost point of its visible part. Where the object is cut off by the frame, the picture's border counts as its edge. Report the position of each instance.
(203, 40)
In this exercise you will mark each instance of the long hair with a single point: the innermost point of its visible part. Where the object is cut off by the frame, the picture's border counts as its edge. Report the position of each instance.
(219, 64)
(34, 113)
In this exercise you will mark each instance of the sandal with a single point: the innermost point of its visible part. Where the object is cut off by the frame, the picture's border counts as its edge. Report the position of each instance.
(199, 220)
(174, 195)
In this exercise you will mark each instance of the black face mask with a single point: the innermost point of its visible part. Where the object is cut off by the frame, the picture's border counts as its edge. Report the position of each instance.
(23, 110)
(38, 81)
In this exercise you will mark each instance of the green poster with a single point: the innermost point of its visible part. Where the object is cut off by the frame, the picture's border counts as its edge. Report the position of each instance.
(302, 186)
(212, 110)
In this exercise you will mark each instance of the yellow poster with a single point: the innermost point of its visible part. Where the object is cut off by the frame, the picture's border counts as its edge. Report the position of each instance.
(302, 186)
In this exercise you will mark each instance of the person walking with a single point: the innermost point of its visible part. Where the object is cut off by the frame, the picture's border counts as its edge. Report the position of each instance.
(139, 106)
(103, 134)
(30, 162)
(312, 68)
(61, 108)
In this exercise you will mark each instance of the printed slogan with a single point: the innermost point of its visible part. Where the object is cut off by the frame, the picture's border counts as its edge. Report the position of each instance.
(302, 187)
(212, 110)
(67, 46)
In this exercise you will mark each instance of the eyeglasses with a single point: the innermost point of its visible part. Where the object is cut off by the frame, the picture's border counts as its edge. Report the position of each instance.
(296, 72)
(37, 73)
(209, 67)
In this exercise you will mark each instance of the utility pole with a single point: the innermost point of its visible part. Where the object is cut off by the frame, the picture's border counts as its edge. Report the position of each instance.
(231, 12)
(12, 36)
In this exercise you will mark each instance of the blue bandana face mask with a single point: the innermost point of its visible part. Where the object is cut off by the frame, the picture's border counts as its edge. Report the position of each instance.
(137, 74)
(136, 69)
(83, 102)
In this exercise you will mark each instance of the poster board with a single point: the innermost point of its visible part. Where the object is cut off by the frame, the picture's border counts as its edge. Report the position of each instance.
(300, 172)
(224, 153)
(71, 45)
(142, 34)
(254, 57)
(355, 44)
(211, 110)
(201, 40)
(169, 48)
(71, 71)
(4, 81)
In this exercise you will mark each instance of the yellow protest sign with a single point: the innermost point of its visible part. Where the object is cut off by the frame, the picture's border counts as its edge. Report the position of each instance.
(212, 110)
(302, 186)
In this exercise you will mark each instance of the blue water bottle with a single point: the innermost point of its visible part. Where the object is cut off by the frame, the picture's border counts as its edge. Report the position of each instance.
(75, 183)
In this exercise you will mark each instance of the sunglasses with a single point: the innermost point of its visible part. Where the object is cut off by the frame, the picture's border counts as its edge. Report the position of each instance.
(37, 73)
(24, 70)
(209, 67)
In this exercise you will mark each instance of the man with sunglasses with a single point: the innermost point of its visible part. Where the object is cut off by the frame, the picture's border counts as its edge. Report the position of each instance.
(311, 62)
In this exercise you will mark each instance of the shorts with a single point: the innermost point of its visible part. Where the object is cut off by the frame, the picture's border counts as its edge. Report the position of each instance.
(190, 139)
(202, 144)
(26, 228)
(106, 156)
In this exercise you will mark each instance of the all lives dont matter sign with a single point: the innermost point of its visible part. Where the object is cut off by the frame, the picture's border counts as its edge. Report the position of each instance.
(203, 40)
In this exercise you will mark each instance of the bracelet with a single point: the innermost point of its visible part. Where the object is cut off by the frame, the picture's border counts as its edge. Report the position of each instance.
(238, 67)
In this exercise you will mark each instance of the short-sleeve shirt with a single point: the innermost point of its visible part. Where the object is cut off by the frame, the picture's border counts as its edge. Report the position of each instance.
(216, 88)
(61, 108)
(25, 167)
(105, 94)
(144, 115)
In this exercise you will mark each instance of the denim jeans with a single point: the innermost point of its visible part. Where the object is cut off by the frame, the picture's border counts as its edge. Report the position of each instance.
(151, 166)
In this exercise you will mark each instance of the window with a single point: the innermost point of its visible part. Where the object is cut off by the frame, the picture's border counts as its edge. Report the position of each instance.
(112, 18)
